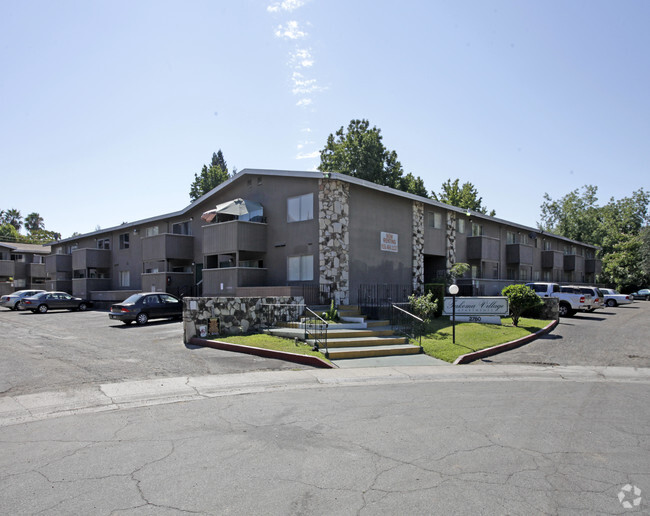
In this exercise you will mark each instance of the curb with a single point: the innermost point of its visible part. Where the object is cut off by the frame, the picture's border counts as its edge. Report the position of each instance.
(494, 350)
(266, 353)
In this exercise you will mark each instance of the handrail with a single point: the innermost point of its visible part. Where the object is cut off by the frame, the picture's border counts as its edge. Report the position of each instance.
(416, 324)
(318, 331)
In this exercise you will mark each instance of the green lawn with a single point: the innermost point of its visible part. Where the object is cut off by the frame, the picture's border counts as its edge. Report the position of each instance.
(437, 342)
(473, 336)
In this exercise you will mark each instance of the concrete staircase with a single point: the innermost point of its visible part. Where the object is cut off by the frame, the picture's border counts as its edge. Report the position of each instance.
(355, 337)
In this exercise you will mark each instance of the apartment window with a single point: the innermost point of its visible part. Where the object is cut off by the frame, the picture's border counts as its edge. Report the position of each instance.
(124, 241)
(435, 219)
(476, 271)
(548, 246)
(477, 229)
(38, 259)
(589, 254)
(569, 249)
(510, 239)
(18, 257)
(460, 226)
(524, 273)
(523, 239)
(182, 228)
(300, 208)
(300, 268)
(151, 231)
(103, 243)
(510, 273)
(125, 278)
(547, 276)
(536, 276)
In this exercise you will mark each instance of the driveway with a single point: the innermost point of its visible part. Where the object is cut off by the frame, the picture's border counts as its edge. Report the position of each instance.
(45, 352)
(609, 337)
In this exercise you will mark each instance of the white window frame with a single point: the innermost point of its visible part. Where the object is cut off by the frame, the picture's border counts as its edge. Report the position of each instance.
(184, 225)
(125, 278)
(125, 240)
(300, 208)
(151, 231)
(300, 268)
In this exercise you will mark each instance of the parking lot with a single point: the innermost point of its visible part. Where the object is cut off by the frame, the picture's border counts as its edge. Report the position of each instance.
(607, 337)
(61, 349)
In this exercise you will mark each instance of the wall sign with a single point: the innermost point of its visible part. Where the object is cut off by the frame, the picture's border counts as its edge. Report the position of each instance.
(388, 242)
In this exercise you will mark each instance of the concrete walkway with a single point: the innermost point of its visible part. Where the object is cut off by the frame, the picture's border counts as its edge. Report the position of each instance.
(390, 361)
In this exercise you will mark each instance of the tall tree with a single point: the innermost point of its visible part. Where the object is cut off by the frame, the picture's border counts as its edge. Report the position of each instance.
(12, 216)
(210, 177)
(34, 222)
(463, 196)
(617, 228)
(359, 152)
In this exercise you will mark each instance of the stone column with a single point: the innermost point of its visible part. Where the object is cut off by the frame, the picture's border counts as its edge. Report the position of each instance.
(334, 238)
(418, 248)
(451, 239)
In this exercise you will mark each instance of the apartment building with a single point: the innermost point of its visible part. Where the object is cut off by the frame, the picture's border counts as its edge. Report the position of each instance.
(22, 266)
(267, 232)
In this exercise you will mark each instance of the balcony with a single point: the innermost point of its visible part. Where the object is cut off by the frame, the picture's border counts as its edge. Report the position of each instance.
(219, 282)
(91, 258)
(552, 259)
(593, 266)
(61, 285)
(82, 287)
(157, 281)
(36, 270)
(519, 254)
(483, 248)
(58, 263)
(167, 246)
(574, 262)
(7, 268)
(234, 236)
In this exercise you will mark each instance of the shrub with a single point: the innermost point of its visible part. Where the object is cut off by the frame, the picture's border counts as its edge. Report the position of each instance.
(438, 291)
(520, 299)
(332, 314)
(425, 306)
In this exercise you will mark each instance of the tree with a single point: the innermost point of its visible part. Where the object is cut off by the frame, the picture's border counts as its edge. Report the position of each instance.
(465, 196)
(520, 299)
(615, 227)
(13, 217)
(42, 236)
(8, 233)
(34, 222)
(210, 177)
(359, 152)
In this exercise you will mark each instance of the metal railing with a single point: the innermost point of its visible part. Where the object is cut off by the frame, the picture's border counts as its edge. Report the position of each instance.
(274, 314)
(375, 300)
(316, 330)
(407, 324)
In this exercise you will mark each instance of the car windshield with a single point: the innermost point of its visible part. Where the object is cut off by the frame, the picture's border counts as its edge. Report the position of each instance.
(132, 299)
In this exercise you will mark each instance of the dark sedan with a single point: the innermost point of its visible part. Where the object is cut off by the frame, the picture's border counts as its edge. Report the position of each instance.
(144, 306)
(45, 301)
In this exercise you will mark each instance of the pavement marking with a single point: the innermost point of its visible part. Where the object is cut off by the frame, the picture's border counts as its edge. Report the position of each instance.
(141, 393)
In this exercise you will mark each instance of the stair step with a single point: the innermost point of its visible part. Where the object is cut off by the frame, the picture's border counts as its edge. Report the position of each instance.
(353, 334)
(374, 351)
(362, 342)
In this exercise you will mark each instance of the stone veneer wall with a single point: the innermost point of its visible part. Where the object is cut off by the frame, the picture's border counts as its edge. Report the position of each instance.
(334, 238)
(451, 239)
(237, 315)
(418, 248)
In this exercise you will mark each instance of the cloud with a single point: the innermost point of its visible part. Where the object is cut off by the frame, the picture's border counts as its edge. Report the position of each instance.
(305, 130)
(285, 5)
(290, 31)
(309, 155)
(302, 58)
(303, 102)
(302, 85)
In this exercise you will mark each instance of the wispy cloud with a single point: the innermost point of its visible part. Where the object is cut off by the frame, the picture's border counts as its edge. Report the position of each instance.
(290, 31)
(304, 102)
(301, 85)
(302, 58)
(286, 5)
(308, 155)
(305, 130)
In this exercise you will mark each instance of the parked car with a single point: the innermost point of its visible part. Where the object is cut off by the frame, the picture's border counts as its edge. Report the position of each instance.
(570, 302)
(613, 298)
(147, 305)
(45, 301)
(644, 293)
(12, 301)
(597, 297)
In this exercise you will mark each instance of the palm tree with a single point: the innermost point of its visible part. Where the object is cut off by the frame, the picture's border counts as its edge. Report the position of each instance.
(13, 217)
(34, 222)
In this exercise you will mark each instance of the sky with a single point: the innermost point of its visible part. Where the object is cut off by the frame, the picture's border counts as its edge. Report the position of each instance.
(109, 108)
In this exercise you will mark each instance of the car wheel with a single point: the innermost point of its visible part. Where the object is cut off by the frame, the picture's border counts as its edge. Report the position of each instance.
(142, 318)
(16, 305)
(42, 309)
(564, 310)
(611, 303)
(83, 307)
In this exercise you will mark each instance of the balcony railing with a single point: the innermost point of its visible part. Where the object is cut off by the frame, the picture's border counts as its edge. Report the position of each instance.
(233, 236)
(167, 246)
(519, 254)
(91, 258)
(483, 248)
(7, 268)
(218, 282)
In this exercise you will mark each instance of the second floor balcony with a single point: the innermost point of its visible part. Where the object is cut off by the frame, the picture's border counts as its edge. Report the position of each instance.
(552, 260)
(167, 246)
(91, 258)
(519, 254)
(234, 236)
(58, 263)
(483, 248)
(7, 268)
(574, 262)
